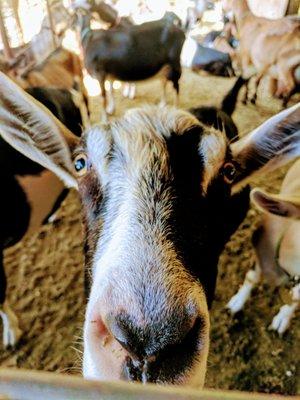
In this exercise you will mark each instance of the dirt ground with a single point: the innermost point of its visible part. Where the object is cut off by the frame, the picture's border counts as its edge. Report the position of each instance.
(45, 274)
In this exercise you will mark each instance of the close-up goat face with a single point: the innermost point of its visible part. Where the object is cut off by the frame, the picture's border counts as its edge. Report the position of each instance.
(161, 194)
(154, 187)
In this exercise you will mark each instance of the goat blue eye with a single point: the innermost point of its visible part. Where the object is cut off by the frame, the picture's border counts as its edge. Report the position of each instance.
(80, 164)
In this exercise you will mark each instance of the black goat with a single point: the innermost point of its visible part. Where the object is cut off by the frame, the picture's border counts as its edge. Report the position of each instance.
(132, 54)
(220, 118)
(32, 194)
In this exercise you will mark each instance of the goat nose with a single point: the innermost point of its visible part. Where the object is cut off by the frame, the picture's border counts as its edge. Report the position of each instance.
(150, 341)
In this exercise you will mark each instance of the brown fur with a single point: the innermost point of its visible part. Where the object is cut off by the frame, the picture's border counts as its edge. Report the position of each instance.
(266, 45)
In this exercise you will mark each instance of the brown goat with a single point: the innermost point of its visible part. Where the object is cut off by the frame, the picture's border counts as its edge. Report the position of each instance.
(61, 70)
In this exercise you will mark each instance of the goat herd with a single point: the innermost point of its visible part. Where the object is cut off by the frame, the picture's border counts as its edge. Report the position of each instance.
(162, 189)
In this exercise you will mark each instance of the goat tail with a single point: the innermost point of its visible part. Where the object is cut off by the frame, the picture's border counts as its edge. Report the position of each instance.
(229, 101)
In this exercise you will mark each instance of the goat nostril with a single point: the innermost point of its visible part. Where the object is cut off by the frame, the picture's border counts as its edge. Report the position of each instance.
(101, 330)
(118, 329)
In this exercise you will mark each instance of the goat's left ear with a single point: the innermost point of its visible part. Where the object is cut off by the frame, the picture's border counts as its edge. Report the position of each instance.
(271, 145)
(277, 204)
(32, 129)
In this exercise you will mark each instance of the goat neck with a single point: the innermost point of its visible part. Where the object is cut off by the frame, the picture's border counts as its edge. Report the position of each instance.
(241, 10)
(85, 27)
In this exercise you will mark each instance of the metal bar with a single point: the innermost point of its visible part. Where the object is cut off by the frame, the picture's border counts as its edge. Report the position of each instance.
(36, 385)
(7, 50)
(52, 28)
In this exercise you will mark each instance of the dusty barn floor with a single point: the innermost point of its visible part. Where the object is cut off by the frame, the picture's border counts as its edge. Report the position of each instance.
(46, 281)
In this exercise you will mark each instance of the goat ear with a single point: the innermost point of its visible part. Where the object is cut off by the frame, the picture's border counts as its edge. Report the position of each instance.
(269, 146)
(277, 204)
(30, 128)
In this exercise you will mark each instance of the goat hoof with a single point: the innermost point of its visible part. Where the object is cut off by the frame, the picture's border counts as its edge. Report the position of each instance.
(282, 320)
(110, 110)
(253, 101)
(235, 304)
(11, 331)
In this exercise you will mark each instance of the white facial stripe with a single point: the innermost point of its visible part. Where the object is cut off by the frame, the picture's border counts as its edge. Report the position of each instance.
(213, 150)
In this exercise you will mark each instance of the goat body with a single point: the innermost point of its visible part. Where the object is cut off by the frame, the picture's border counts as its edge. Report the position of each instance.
(268, 47)
(133, 54)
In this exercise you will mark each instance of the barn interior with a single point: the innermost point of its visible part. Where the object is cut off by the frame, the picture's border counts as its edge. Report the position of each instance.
(45, 269)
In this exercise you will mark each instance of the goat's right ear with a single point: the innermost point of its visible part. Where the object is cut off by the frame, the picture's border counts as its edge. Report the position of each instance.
(270, 146)
(32, 129)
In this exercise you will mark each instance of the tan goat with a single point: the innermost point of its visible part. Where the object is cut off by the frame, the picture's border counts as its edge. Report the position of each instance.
(268, 47)
(61, 70)
(277, 246)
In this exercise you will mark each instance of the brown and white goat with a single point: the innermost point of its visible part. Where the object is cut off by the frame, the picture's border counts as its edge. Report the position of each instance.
(268, 47)
(158, 207)
(277, 246)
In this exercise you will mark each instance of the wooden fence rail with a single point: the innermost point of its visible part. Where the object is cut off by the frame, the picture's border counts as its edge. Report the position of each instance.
(34, 385)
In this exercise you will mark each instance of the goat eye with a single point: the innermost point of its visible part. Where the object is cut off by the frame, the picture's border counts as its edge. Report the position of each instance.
(81, 164)
(228, 172)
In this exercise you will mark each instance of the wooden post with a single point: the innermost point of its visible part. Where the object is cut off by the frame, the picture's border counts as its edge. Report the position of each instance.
(52, 28)
(293, 7)
(37, 385)
(15, 8)
(7, 50)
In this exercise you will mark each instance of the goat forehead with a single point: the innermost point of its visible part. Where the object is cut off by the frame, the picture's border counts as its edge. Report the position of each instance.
(144, 133)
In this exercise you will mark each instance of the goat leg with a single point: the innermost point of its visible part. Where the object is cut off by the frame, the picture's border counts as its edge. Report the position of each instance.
(11, 330)
(237, 302)
(257, 80)
(282, 320)
(245, 97)
(126, 89)
(104, 99)
(132, 90)
(163, 101)
(110, 107)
